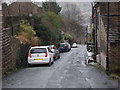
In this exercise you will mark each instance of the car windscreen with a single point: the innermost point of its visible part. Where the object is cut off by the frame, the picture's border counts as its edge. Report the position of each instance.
(38, 50)
(62, 45)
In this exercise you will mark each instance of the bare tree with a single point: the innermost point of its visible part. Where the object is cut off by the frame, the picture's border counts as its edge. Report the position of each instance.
(73, 20)
(72, 12)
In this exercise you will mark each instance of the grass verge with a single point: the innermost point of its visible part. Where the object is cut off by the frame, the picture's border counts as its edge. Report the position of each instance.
(114, 76)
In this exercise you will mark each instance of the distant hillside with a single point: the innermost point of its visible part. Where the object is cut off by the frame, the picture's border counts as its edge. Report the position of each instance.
(85, 8)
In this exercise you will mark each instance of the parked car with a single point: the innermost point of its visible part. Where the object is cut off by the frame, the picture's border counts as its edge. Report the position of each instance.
(69, 46)
(40, 55)
(55, 52)
(74, 45)
(63, 47)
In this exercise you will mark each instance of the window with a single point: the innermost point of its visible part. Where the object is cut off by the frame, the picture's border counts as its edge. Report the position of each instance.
(38, 50)
(49, 49)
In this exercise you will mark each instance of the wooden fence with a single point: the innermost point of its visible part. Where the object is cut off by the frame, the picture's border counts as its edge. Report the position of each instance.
(6, 50)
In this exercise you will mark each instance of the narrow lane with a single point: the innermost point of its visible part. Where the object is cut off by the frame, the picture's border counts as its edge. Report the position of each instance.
(70, 71)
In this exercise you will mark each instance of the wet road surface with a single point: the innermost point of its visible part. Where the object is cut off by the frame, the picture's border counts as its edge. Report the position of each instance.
(70, 71)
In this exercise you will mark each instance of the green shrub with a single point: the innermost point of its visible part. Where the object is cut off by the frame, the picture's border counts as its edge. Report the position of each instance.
(27, 30)
(47, 26)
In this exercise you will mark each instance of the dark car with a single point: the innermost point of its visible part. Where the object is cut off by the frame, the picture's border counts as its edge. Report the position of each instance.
(63, 47)
(69, 46)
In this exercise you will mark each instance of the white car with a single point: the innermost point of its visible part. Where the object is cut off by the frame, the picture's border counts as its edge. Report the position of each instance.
(74, 45)
(40, 55)
(55, 51)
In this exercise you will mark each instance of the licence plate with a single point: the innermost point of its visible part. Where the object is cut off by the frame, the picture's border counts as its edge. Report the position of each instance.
(38, 59)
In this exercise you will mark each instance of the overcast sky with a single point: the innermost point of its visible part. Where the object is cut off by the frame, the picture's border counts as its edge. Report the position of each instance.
(66, 0)
(50, 0)
(9, 1)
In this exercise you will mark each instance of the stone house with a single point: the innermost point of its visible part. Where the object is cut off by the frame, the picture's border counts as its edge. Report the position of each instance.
(17, 10)
(106, 20)
(20, 9)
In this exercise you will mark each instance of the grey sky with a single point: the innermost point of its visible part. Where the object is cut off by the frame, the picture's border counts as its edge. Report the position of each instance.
(50, 0)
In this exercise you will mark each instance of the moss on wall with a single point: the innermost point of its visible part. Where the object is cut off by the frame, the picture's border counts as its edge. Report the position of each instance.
(114, 58)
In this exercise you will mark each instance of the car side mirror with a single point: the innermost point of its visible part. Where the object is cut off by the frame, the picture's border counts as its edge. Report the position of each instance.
(51, 51)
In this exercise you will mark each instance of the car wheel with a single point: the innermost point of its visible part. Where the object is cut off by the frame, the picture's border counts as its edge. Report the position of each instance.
(59, 57)
(89, 61)
(53, 61)
(67, 50)
(29, 65)
(56, 58)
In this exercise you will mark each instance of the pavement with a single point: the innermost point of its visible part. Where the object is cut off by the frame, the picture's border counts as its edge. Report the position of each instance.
(70, 71)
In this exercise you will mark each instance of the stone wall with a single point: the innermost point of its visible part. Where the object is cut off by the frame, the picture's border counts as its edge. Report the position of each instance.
(0, 42)
(101, 35)
(114, 38)
(103, 42)
(114, 35)
(114, 58)
(114, 31)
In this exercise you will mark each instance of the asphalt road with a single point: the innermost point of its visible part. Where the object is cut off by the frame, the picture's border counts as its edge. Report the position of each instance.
(70, 71)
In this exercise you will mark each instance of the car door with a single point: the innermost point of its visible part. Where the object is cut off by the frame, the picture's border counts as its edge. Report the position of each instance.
(56, 51)
(51, 53)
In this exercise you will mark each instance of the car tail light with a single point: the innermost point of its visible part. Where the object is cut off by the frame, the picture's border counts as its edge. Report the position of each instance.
(53, 47)
(46, 54)
(29, 55)
(66, 45)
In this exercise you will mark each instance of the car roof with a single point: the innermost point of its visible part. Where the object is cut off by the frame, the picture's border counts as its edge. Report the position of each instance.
(40, 47)
(51, 45)
(62, 43)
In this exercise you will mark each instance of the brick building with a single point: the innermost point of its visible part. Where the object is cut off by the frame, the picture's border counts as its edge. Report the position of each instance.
(106, 20)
